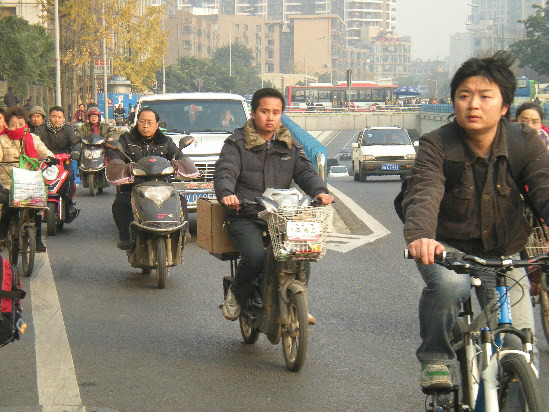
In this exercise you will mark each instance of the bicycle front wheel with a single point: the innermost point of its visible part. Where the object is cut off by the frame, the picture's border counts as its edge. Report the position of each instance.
(28, 250)
(519, 388)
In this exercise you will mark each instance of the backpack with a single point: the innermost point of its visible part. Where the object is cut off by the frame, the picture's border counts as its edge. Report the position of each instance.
(11, 323)
(453, 169)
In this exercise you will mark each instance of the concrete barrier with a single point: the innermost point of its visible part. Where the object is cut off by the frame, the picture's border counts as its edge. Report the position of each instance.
(420, 121)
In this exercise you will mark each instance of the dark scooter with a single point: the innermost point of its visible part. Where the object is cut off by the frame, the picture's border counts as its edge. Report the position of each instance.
(157, 234)
(92, 164)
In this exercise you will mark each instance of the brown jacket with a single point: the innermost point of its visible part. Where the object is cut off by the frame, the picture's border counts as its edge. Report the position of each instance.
(10, 150)
(487, 219)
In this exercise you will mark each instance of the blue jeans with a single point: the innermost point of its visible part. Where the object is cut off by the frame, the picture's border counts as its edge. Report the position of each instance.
(442, 299)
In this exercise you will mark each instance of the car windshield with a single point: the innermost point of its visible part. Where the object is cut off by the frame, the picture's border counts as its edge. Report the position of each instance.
(345, 150)
(338, 169)
(385, 137)
(186, 116)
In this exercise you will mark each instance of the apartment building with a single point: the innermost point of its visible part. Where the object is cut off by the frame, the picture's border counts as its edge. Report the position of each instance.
(29, 10)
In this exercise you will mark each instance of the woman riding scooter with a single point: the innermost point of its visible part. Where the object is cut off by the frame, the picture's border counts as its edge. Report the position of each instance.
(94, 125)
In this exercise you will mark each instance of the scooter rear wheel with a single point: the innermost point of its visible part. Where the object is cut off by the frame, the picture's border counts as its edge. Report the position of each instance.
(249, 334)
(295, 334)
(51, 219)
(161, 266)
(13, 242)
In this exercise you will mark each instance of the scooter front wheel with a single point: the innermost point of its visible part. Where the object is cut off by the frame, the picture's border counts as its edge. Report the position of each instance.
(295, 334)
(161, 265)
(92, 184)
(28, 250)
(51, 219)
(249, 334)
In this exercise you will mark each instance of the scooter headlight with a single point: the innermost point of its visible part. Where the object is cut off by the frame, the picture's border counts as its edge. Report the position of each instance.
(158, 194)
(138, 172)
(167, 171)
(51, 172)
(92, 154)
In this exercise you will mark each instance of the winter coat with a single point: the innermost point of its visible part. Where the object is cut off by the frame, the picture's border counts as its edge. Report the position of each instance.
(10, 151)
(63, 141)
(246, 165)
(483, 212)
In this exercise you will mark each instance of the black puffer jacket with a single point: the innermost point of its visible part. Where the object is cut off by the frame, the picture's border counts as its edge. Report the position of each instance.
(137, 147)
(65, 140)
(246, 166)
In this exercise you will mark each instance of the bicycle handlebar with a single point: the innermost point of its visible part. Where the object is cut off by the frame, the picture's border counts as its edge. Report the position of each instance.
(459, 260)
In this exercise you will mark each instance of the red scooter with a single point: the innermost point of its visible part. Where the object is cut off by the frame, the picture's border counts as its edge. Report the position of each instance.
(59, 191)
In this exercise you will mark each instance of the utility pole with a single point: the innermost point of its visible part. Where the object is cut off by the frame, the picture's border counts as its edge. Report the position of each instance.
(57, 53)
(104, 57)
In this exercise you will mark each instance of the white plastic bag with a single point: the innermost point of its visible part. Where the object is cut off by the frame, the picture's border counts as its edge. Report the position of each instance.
(28, 188)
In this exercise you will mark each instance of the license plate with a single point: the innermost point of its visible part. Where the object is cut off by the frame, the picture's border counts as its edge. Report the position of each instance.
(390, 167)
(303, 230)
(192, 198)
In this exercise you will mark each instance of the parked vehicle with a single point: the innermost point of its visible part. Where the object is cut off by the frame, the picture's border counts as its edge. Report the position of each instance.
(297, 234)
(59, 190)
(201, 116)
(92, 164)
(382, 151)
(157, 234)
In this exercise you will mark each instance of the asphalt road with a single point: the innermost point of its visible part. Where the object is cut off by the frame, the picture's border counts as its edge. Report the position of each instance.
(136, 348)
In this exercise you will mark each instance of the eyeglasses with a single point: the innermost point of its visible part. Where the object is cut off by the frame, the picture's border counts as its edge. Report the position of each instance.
(532, 122)
(145, 123)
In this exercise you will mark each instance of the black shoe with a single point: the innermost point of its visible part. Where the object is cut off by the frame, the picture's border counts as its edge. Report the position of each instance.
(40, 246)
(72, 213)
(124, 244)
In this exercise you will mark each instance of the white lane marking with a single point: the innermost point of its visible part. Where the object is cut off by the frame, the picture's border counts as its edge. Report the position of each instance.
(56, 377)
(343, 243)
(378, 230)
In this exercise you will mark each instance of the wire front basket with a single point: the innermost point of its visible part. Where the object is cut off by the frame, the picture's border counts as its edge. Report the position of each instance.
(538, 242)
(298, 233)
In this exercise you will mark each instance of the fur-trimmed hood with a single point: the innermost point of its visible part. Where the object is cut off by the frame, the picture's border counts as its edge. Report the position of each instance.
(253, 139)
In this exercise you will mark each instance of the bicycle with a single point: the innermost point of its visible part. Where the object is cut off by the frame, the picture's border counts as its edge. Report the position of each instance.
(491, 375)
(21, 234)
(538, 243)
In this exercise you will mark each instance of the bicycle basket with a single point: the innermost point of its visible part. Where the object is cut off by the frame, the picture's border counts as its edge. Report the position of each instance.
(538, 242)
(298, 233)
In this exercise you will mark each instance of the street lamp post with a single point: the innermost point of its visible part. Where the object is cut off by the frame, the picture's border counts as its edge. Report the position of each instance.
(57, 53)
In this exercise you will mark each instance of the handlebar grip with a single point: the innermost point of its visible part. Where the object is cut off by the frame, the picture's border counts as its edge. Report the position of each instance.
(438, 258)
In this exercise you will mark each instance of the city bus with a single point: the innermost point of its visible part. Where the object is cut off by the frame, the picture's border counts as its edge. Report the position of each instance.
(362, 95)
(526, 90)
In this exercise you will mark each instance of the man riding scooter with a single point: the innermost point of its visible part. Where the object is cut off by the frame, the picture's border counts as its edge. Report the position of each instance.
(60, 137)
(144, 139)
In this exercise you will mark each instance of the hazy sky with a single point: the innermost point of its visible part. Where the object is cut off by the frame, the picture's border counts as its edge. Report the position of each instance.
(430, 23)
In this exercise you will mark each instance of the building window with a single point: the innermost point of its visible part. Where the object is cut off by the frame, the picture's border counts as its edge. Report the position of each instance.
(187, 29)
(156, 2)
(245, 27)
(187, 45)
(270, 68)
(270, 42)
(8, 11)
(237, 27)
(271, 28)
(258, 29)
(258, 41)
(258, 54)
(271, 54)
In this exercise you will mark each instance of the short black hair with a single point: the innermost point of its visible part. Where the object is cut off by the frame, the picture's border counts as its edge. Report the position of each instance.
(16, 111)
(57, 109)
(529, 106)
(497, 69)
(266, 92)
(148, 109)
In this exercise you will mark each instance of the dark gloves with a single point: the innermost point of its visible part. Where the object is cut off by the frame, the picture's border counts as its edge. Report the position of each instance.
(50, 160)
(75, 155)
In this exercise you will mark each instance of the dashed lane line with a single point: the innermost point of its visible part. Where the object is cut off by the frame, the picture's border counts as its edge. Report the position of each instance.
(58, 389)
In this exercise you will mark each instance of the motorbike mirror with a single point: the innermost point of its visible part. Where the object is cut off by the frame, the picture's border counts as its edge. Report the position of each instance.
(185, 141)
(120, 149)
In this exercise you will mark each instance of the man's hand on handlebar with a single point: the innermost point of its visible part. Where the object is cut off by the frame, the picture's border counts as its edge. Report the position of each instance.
(325, 198)
(231, 201)
(51, 161)
(424, 250)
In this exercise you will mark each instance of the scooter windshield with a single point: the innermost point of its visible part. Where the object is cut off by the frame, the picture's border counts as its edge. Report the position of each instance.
(185, 168)
(119, 172)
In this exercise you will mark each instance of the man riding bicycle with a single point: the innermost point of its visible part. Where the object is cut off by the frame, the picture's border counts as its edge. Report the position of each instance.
(462, 195)
(263, 154)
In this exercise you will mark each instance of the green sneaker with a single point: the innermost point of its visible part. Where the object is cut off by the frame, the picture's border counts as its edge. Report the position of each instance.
(434, 376)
